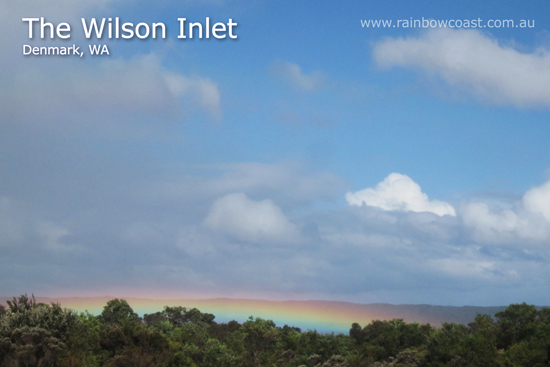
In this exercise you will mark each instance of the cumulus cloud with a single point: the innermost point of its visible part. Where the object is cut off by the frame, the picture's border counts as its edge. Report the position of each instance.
(528, 220)
(293, 74)
(398, 192)
(474, 62)
(253, 221)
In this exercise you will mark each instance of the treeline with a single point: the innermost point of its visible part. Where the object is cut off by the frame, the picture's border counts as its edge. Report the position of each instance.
(36, 334)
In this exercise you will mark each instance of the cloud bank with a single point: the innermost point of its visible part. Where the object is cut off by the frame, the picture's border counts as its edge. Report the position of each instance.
(229, 232)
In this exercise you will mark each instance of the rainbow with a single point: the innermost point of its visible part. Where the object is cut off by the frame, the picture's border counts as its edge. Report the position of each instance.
(323, 316)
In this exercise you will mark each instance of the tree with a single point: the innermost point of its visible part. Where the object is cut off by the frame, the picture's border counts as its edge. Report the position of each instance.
(22, 303)
(382, 339)
(479, 347)
(525, 333)
(444, 345)
(356, 333)
(34, 334)
(178, 316)
(260, 338)
(516, 323)
(133, 344)
(217, 354)
(118, 311)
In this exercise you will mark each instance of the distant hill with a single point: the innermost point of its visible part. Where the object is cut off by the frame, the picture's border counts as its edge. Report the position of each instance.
(323, 316)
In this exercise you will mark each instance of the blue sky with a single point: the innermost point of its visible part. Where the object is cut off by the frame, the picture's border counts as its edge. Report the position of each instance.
(310, 158)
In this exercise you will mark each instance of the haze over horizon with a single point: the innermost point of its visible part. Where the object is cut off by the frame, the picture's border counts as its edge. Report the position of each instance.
(309, 158)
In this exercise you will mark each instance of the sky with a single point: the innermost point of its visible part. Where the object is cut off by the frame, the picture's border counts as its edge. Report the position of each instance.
(311, 157)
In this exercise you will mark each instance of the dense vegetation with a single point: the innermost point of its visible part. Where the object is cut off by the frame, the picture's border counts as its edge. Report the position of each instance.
(34, 334)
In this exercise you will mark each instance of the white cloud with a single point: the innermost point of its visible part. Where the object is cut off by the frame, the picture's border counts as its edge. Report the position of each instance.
(537, 200)
(249, 220)
(529, 220)
(68, 92)
(474, 62)
(399, 192)
(293, 74)
(202, 91)
(107, 95)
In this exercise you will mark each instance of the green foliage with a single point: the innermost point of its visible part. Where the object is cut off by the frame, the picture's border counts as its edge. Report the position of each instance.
(178, 316)
(260, 337)
(118, 311)
(217, 354)
(381, 340)
(133, 344)
(516, 324)
(21, 303)
(524, 333)
(34, 334)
